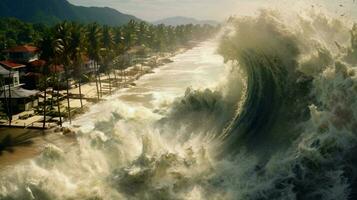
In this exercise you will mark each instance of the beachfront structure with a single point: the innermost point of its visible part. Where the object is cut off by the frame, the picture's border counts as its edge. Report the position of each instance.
(26, 56)
(23, 54)
(89, 65)
(14, 98)
(10, 72)
(18, 99)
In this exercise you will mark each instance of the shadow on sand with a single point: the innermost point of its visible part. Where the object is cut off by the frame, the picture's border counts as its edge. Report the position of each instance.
(9, 142)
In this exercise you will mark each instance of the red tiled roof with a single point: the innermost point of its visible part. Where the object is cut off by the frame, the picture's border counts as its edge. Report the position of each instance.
(23, 48)
(11, 64)
(56, 68)
(37, 63)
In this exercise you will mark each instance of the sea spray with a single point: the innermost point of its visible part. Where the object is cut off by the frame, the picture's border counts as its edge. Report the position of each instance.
(307, 139)
(281, 126)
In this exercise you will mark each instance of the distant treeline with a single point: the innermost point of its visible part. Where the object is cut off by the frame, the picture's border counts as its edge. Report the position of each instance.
(14, 32)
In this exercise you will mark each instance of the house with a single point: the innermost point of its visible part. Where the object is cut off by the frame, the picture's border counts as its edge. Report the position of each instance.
(28, 56)
(33, 74)
(10, 72)
(89, 65)
(23, 54)
(14, 98)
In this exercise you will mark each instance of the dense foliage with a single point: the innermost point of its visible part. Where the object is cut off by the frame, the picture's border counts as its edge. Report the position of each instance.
(159, 37)
(54, 11)
(70, 45)
(15, 32)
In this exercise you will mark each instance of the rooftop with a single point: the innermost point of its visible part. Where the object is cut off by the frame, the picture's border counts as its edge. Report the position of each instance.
(22, 49)
(11, 65)
(37, 63)
(18, 93)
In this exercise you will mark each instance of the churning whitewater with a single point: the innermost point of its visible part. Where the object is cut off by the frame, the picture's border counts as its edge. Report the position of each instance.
(277, 121)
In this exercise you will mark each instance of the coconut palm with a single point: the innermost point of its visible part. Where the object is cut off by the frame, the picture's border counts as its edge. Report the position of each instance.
(131, 34)
(76, 50)
(47, 54)
(62, 53)
(107, 52)
(118, 36)
(93, 41)
(143, 34)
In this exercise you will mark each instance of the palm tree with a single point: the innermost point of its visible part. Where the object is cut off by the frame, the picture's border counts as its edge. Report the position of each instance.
(107, 52)
(76, 51)
(143, 34)
(9, 100)
(47, 54)
(62, 52)
(119, 43)
(93, 48)
(58, 98)
(131, 34)
(43, 86)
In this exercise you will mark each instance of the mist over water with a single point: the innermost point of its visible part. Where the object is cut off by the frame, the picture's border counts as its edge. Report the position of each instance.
(277, 121)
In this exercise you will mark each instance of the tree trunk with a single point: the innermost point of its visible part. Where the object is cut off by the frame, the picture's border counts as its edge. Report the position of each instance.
(80, 86)
(58, 102)
(80, 91)
(122, 78)
(52, 92)
(10, 103)
(100, 84)
(96, 79)
(124, 74)
(67, 89)
(110, 83)
(44, 105)
(115, 78)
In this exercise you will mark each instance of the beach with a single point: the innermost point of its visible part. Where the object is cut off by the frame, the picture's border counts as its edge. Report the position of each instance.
(38, 138)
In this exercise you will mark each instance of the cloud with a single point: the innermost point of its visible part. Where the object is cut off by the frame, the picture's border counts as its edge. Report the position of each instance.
(211, 9)
(158, 9)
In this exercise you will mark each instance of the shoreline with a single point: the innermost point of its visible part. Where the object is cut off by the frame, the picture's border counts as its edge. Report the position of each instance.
(40, 137)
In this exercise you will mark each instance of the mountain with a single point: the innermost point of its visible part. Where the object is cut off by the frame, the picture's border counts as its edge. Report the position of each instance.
(53, 11)
(174, 21)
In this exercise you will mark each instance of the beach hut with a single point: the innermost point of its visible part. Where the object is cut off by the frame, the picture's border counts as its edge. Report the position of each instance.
(21, 99)
(12, 95)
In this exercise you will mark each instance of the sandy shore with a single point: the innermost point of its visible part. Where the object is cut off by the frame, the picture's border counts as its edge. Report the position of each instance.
(38, 139)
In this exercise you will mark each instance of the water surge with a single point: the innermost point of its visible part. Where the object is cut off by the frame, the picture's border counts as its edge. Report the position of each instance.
(280, 123)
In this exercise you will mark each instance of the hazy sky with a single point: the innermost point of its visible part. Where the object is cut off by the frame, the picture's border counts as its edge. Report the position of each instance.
(212, 9)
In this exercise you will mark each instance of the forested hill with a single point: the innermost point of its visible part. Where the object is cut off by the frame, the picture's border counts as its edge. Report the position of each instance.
(54, 11)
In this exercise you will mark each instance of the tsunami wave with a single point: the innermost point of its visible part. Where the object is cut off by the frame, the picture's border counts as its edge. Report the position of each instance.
(280, 125)
(298, 117)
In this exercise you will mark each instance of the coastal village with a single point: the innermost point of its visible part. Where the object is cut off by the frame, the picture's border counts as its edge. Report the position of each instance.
(22, 102)
(178, 100)
(52, 74)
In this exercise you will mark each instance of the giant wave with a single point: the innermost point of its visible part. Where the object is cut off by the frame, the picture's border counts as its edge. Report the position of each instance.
(281, 126)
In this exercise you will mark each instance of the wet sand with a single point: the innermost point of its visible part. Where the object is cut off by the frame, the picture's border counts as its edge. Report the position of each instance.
(17, 153)
(38, 140)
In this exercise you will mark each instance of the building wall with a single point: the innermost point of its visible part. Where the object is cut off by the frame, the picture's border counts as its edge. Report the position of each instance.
(13, 80)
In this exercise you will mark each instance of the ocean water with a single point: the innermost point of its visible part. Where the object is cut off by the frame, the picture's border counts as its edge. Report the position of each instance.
(272, 116)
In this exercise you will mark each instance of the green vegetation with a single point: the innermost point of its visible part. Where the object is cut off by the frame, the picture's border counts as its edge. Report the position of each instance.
(69, 45)
(55, 11)
(15, 32)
